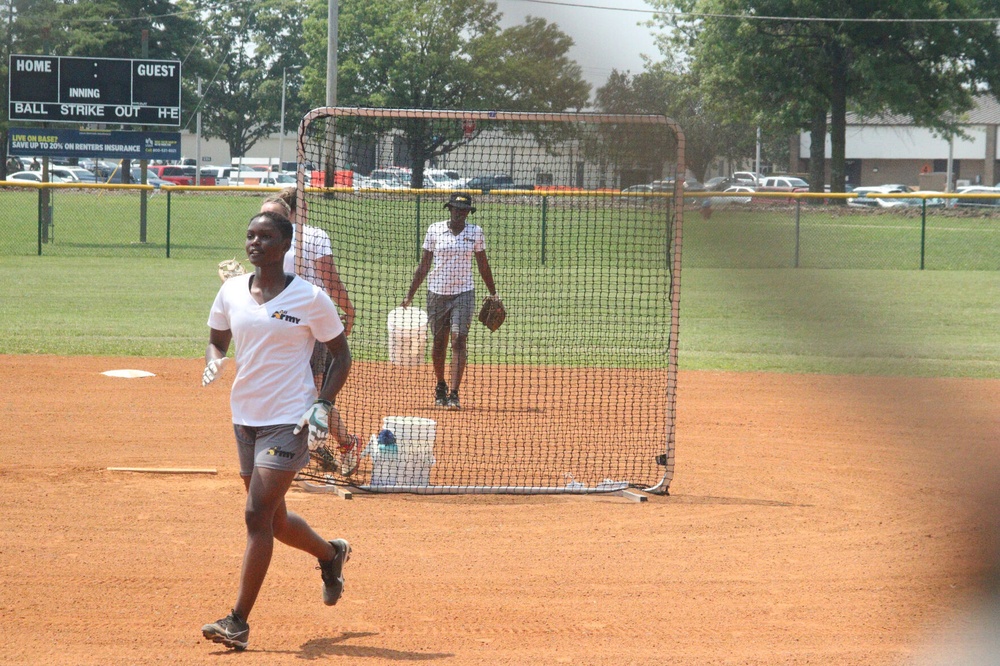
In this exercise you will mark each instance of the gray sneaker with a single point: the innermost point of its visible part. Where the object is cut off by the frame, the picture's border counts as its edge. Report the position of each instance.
(453, 402)
(333, 572)
(441, 394)
(231, 631)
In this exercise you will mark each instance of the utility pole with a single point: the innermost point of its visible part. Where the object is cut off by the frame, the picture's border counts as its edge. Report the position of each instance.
(332, 18)
(950, 173)
(143, 162)
(45, 195)
(756, 168)
(281, 136)
(198, 138)
(9, 46)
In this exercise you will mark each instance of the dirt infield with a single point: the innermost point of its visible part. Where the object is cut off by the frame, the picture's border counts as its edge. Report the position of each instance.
(812, 520)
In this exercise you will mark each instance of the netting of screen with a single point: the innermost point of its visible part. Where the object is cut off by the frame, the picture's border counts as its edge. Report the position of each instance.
(575, 392)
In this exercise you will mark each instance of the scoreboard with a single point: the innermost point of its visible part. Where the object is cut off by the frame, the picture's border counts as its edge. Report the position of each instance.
(95, 90)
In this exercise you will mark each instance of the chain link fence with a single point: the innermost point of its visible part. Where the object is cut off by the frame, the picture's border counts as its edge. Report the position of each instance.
(897, 232)
(126, 220)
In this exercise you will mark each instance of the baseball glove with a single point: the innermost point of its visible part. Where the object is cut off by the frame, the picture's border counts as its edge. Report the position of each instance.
(230, 268)
(493, 313)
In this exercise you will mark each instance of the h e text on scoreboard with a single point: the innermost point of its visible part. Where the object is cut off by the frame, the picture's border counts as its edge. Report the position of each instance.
(64, 89)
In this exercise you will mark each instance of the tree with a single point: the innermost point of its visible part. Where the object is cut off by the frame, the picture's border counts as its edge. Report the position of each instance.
(913, 62)
(677, 95)
(106, 29)
(252, 43)
(441, 54)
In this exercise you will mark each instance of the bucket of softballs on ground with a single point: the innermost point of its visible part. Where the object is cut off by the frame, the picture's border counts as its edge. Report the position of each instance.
(414, 434)
(403, 451)
(407, 336)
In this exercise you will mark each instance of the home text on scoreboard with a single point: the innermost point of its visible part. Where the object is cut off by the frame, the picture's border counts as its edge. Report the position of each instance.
(64, 89)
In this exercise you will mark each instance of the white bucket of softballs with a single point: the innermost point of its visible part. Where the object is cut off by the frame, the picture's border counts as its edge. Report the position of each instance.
(407, 336)
(405, 458)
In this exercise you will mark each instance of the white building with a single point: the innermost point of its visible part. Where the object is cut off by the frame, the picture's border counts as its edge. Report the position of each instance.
(891, 149)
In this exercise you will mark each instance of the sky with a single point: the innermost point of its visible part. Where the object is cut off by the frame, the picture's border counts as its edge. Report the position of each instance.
(606, 33)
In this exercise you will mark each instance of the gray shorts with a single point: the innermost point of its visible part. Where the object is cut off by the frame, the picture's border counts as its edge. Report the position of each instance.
(452, 312)
(273, 447)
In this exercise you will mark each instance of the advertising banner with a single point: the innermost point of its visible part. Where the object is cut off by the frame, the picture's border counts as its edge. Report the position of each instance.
(39, 142)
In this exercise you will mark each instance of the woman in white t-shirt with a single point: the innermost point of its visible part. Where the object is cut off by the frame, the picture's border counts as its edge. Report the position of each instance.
(274, 319)
(451, 298)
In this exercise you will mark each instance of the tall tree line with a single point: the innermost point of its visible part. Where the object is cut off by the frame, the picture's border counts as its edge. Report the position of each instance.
(802, 65)
(728, 66)
(449, 54)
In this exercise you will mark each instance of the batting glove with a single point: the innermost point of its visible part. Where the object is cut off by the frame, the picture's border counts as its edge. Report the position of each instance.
(212, 370)
(317, 417)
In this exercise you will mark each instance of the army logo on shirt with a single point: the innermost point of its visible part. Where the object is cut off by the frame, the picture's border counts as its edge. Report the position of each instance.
(284, 316)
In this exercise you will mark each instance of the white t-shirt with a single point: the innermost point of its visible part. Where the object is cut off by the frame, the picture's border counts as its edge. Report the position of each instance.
(274, 342)
(315, 244)
(452, 271)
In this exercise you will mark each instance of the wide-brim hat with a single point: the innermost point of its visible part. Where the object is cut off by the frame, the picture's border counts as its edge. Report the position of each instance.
(462, 202)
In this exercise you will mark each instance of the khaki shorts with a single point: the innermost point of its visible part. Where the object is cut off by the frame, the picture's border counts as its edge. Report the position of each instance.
(273, 447)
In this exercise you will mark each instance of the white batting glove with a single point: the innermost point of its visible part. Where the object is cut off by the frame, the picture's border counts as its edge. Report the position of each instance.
(212, 370)
(317, 417)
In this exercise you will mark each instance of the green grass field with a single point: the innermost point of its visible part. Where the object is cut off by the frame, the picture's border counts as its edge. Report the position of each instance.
(581, 290)
(846, 322)
(207, 224)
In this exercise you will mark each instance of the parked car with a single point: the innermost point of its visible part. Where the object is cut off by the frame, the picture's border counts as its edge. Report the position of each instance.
(73, 174)
(96, 167)
(218, 176)
(446, 178)
(390, 178)
(173, 173)
(783, 184)
(662, 185)
(718, 184)
(934, 202)
(867, 197)
(732, 191)
(225, 175)
(496, 182)
(747, 178)
(136, 178)
(978, 200)
(207, 179)
(276, 179)
(638, 189)
(34, 177)
(257, 178)
(432, 182)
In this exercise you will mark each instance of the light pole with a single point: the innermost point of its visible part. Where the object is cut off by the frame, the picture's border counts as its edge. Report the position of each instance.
(281, 137)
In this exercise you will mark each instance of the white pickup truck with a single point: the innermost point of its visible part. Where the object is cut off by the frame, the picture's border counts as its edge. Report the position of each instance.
(261, 179)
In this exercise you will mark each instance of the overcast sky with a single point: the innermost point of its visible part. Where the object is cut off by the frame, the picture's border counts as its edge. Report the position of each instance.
(605, 38)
